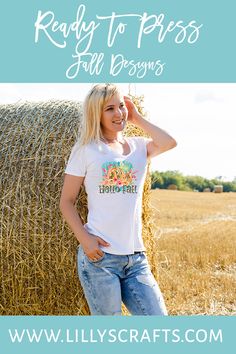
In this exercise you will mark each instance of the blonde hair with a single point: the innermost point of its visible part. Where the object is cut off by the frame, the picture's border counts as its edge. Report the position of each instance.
(90, 128)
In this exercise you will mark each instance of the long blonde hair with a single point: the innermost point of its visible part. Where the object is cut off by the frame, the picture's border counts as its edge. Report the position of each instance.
(90, 128)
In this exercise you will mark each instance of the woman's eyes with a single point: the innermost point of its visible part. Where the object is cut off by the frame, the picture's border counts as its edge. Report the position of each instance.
(111, 108)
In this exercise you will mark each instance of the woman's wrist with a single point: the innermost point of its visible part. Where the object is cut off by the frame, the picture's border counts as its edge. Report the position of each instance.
(83, 238)
(137, 119)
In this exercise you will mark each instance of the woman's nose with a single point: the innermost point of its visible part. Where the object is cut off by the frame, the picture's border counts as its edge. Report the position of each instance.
(118, 112)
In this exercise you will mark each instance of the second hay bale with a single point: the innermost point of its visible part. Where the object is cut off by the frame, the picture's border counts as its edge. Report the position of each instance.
(172, 187)
(218, 188)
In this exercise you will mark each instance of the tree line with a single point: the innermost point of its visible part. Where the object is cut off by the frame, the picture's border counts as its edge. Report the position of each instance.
(163, 180)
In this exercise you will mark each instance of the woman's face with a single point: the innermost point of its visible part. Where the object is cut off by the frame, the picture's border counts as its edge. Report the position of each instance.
(114, 114)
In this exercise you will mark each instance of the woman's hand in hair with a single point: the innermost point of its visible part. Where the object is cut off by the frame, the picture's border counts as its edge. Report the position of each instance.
(133, 113)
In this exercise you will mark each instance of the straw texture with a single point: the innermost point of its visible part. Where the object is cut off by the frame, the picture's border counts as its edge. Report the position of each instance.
(38, 274)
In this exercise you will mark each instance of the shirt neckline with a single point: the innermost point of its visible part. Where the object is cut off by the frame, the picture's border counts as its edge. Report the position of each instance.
(116, 152)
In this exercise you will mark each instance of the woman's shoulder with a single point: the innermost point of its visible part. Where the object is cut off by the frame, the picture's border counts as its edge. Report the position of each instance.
(138, 139)
(81, 151)
(82, 146)
(92, 147)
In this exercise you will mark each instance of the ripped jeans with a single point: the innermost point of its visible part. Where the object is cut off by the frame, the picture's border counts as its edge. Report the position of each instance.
(116, 278)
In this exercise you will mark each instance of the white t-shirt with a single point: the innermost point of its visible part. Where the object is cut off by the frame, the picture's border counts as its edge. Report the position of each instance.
(114, 186)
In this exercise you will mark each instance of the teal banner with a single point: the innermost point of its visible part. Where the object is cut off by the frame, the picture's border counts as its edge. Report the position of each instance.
(118, 41)
(168, 335)
(85, 41)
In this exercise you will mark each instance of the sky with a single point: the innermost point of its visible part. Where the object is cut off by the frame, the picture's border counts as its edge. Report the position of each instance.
(201, 118)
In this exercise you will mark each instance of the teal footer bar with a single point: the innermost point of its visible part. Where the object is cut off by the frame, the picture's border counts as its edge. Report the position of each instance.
(98, 334)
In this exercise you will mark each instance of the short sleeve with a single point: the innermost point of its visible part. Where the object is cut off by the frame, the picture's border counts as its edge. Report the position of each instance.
(146, 140)
(76, 164)
(142, 141)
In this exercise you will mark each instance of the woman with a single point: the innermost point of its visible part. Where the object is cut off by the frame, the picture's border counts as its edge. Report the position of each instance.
(112, 263)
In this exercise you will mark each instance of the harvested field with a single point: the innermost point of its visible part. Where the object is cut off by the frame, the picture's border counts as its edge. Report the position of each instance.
(196, 247)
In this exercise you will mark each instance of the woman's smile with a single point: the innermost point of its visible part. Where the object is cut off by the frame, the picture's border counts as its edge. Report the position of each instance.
(119, 122)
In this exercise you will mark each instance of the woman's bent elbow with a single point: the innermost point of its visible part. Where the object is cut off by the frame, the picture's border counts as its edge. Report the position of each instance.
(62, 204)
(173, 143)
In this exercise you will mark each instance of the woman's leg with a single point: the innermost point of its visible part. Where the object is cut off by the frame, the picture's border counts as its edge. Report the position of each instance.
(140, 291)
(101, 286)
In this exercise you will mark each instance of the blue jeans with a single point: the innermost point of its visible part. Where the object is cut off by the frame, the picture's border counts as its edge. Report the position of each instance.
(116, 278)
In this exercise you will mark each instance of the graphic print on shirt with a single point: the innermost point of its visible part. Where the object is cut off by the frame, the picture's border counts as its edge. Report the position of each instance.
(118, 177)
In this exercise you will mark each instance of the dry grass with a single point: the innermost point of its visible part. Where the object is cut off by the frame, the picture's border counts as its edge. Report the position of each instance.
(38, 273)
(196, 243)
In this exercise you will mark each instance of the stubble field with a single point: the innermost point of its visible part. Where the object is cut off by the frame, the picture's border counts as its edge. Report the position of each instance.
(196, 245)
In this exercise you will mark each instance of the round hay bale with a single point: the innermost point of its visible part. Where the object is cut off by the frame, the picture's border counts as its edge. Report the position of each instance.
(206, 190)
(172, 187)
(218, 188)
(38, 250)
